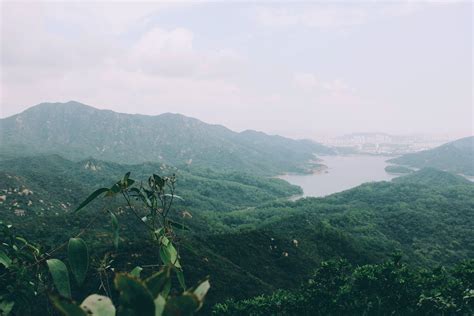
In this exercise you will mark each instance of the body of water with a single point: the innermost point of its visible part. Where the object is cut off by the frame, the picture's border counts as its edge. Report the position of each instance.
(343, 172)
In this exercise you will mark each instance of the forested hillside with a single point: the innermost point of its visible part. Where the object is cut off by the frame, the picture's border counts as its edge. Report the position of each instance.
(243, 233)
(428, 215)
(77, 131)
(456, 156)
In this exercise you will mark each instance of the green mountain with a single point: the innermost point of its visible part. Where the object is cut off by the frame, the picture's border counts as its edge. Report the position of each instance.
(456, 156)
(61, 184)
(77, 131)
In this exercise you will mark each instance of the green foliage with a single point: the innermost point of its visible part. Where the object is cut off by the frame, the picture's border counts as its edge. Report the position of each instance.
(78, 257)
(138, 297)
(398, 169)
(20, 276)
(389, 288)
(135, 298)
(115, 228)
(428, 215)
(60, 275)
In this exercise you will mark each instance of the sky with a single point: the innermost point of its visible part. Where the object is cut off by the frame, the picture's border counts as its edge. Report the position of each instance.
(298, 69)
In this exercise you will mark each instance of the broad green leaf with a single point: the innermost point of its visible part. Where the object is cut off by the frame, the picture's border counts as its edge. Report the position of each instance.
(5, 260)
(78, 257)
(115, 227)
(168, 253)
(91, 197)
(60, 275)
(66, 306)
(136, 271)
(157, 282)
(134, 296)
(160, 303)
(98, 305)
(184, 305)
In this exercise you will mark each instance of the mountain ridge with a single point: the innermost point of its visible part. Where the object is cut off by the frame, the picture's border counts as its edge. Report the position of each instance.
(77, 131)
(456, 156)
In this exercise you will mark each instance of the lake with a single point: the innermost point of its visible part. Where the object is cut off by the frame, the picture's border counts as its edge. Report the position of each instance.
(344, 172)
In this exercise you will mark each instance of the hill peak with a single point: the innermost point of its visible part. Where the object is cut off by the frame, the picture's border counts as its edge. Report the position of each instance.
(433, 176)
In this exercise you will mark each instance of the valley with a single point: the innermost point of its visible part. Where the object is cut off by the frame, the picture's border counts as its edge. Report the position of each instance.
(244, 228)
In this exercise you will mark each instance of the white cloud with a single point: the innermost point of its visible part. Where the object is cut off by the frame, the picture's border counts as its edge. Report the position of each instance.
(318, 17)
(310, 82)
(327, 15)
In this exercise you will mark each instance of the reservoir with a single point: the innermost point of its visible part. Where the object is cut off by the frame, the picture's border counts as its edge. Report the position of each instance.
(342, 173)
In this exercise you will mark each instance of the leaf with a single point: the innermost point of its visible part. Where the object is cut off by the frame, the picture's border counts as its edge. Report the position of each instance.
(6, 307)
(60, 275)
(201, 291)
(180, 275)
(160, 303)
(184, 305)
(5, 260)
(66, 306)
(126, 182)
(168, 252)
(126, 176)
(116, 188)
(134, 296)
(91, 197)
(78, 256)
(156, 283)
(98, 305)
(136, 271)
(159, 181)
(115, 228)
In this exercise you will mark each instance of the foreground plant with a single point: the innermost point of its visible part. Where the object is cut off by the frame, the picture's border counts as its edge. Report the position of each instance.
(24, 276)
(138, 297)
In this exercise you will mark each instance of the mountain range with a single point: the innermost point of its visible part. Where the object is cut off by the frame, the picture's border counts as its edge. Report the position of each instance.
(77, 131)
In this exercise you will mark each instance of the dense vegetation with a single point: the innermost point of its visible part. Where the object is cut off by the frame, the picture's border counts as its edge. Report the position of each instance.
(398, 169)
(389, 288)
(428, 215)
(456, 156)
(258, 243)
(77, 131)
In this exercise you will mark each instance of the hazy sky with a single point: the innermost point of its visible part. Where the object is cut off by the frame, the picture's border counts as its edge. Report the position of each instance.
(297, 69)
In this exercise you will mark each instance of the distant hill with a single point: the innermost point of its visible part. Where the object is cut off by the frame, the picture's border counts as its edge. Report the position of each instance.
(433, 177)
(456, 156)
(58, 185)
(429, 215)
(77, 131)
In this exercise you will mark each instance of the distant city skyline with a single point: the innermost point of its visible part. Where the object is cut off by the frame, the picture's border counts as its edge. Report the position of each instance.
(302, 70)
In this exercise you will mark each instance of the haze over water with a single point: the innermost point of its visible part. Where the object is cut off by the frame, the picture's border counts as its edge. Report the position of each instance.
(344, 172)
